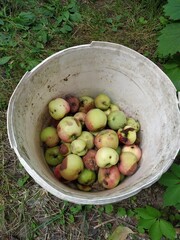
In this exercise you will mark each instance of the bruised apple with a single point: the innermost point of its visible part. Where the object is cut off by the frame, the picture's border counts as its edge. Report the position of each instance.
(69, 129)
(109, 177)
(71, 167)
(128, 163)
(56, 171)
(127, 135)
(65, 148)
(107, 138)
(86, 104)
(89, 160)
(81, 117)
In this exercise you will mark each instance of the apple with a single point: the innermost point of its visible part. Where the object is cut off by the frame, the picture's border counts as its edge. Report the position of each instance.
(128, 163)
(56, 171)
(73, 103)
(71, 167)
(81, 117)
(58, 108)
(86, 104)
(87, 177)
(113, 107)
(133, 123)
(102, 101)
(49, 136)
(106, 157)
(88, 138)
(84, 188)
(78, 146)
(109, 177)
(53, 156)
(89, 160)
(69, 129)
(95, 120)
(135, 149)
(65, 148)
(127, 135)
(116, 120)
(106, 138)
(118, 150)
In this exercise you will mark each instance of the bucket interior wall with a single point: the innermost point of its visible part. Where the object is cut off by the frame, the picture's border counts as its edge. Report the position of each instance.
(132, 82)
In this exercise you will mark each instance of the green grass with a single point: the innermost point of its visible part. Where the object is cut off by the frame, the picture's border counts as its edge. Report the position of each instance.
(30, 31)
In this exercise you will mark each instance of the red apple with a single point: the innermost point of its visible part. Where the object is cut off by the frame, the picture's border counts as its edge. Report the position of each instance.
(49, 136)
(73, 103)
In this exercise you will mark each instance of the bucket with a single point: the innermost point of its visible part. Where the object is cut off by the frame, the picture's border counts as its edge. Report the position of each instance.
(131, 80)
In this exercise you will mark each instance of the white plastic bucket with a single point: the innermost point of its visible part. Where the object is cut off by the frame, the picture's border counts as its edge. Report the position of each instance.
(135, 83)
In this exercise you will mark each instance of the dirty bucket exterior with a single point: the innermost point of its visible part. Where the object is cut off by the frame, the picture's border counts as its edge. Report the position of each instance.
(132, 81)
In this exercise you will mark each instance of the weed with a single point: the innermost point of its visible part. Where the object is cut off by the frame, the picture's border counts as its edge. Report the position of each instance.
(149, 219)
(171, 181)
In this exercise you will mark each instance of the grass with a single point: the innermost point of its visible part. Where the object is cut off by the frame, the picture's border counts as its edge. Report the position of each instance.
(31, 31)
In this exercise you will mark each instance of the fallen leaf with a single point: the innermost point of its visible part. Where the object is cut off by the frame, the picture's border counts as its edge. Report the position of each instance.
(120, 233)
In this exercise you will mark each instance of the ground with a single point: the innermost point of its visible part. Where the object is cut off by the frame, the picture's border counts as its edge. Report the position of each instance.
(27, 210)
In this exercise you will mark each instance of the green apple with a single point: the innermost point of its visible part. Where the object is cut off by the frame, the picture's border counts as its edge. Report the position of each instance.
(71, 167)
(106, 157)
(78, 146)
(95, 120)
(133, 123)
(128, 163)
(49, 136)
(112, 108)
(69, 129)
(53, 156)
(106, 138)
(102, 101)
(58, 108)
(87, 177)
(116, 120)
(88, 138)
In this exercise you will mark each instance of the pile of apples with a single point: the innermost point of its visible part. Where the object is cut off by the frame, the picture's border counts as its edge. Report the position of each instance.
(90, 142)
